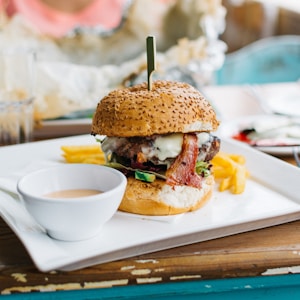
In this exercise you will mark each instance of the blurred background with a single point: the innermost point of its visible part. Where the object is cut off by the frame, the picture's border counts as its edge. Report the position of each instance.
(250, 20)
(81, 55)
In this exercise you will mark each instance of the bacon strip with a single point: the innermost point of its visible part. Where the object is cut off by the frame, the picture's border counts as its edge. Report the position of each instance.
(182, 171)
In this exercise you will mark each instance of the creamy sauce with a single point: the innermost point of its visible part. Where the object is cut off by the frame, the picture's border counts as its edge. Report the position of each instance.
(76, 193)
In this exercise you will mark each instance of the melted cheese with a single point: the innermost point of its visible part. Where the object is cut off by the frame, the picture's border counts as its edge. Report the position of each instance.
(203, 138)
(169, 146)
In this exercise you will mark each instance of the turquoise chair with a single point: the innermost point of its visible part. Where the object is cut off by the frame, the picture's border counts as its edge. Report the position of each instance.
(269, 60)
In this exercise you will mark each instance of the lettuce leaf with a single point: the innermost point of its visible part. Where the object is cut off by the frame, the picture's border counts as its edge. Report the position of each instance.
(119, 166)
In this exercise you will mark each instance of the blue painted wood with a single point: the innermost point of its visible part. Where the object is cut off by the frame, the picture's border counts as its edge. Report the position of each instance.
(274, 59)
(263, 287)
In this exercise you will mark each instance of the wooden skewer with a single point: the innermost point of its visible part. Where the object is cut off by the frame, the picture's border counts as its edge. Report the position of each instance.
(151, 53)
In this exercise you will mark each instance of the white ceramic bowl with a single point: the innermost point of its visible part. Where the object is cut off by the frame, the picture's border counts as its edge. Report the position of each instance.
(72, 219)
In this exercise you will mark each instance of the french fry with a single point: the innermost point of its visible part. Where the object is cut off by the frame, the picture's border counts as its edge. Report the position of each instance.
(222, 172)
(222, 159)
(83, 154)
(225, 184)
(94, 160)
(81, 157)
(239, 180)
(240, 159)
(230, 171)
(81, 149)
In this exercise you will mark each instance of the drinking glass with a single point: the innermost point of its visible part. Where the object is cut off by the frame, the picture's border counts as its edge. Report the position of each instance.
(17, 94)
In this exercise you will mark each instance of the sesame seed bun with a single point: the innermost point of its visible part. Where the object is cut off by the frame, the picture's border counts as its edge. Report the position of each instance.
(169, 107)
(160, 199)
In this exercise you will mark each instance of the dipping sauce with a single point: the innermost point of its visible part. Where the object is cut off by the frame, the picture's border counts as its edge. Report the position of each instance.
(74, 193)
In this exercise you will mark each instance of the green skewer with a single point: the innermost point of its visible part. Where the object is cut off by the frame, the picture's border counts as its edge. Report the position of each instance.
(151, 52)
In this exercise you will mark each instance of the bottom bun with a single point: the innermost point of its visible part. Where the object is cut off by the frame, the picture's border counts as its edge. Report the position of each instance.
(160, 199)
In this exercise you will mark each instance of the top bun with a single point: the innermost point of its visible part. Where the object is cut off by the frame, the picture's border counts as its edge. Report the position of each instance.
(169, 107)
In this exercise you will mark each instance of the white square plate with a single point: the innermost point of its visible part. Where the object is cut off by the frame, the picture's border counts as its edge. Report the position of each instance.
(271, 197)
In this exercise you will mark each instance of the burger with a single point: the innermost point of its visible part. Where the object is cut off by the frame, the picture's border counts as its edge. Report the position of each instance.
(161, 140)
